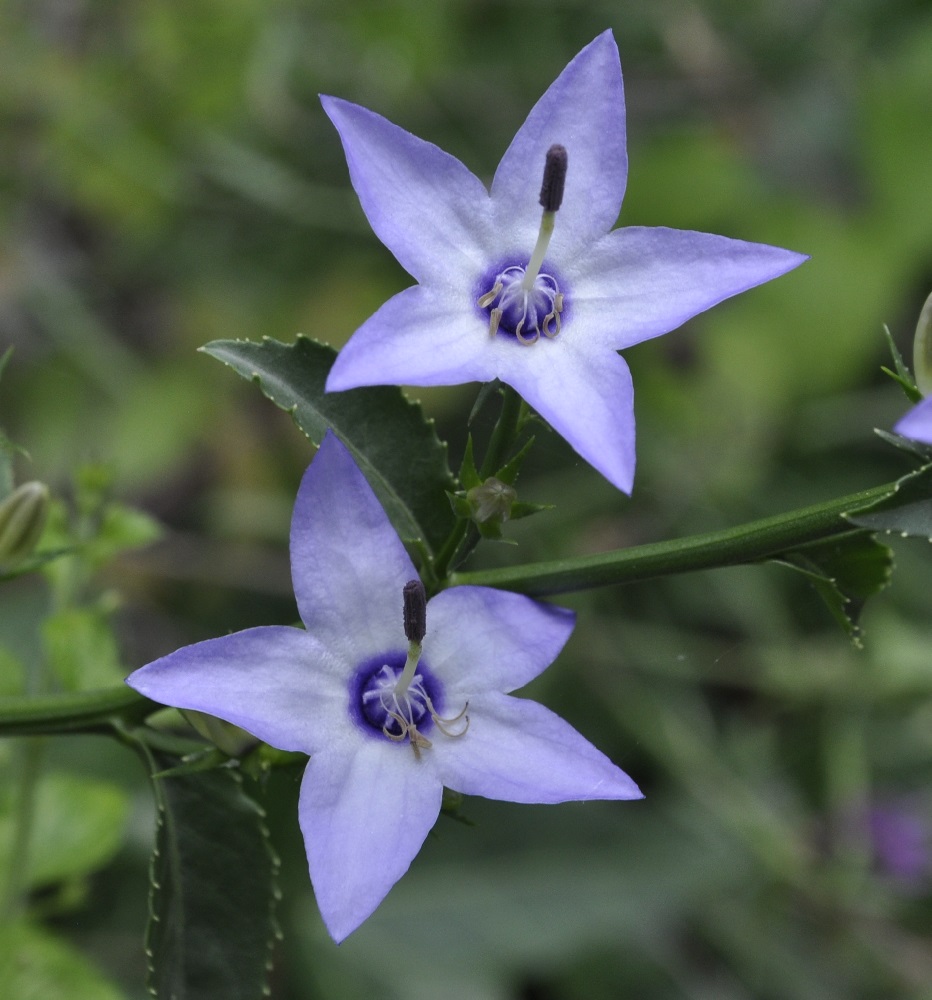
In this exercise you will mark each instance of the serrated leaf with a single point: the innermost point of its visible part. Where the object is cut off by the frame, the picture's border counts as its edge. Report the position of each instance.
(392, 442)
(213, 888)
(906, 510)
(35, 965)
(845, 572)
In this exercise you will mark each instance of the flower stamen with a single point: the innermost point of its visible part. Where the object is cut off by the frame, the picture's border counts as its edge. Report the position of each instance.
(527, 302)
(397, 702)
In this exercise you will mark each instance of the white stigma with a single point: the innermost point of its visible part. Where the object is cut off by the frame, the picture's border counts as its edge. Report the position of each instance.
(540, 248)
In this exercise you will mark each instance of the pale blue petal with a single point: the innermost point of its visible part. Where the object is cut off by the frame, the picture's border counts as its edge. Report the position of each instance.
(347, 563)
(639, 282)
(422, 336)
(584, 111)
(519, 751)
(422, 203)
(364, 817)
(278, 683)
(586, 396)
(917, 423)
(480, 639)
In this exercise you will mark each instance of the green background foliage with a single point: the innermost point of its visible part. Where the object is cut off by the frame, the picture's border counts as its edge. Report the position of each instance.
(167, 178)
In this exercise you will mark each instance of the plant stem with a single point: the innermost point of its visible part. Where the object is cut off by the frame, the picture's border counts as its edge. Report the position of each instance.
(104, 711)
(461, 539)
(72, 712)
(31, 752)
(747, 543)
(503, 434)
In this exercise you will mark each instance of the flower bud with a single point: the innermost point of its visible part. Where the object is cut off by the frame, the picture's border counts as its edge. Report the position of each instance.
(232, 740)
(22, 518)
(491, 501)
(922, 350)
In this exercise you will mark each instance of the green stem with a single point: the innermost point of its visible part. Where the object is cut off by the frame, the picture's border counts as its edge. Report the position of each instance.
(73, 712)
(461, 539)
(24, 812)
(103, 711)
(747, 543)
(503, 434)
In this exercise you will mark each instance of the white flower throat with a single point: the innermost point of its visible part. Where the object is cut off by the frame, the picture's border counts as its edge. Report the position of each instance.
(525, 301)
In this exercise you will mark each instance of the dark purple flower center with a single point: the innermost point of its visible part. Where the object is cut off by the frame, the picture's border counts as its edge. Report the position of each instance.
(377, 708)
(524, 313)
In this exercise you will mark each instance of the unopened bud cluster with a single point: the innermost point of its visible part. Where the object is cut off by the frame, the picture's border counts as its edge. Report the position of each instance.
(22, 519)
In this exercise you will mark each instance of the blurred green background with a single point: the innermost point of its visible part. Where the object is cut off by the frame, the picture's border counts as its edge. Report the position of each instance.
(167, 177)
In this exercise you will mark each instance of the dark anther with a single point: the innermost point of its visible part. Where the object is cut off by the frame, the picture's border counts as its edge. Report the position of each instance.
(551, 191)
(415, 614)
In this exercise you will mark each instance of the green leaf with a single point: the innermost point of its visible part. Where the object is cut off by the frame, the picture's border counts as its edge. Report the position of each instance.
(77, 827)
(389, 437)
(902, 374)
(915, 449)
(34, 965)
(81, 649)
(845, 572)
(469, 474)
(509, 473)
(524, 508)
(12, 674)
(213, 888)
(906, 510)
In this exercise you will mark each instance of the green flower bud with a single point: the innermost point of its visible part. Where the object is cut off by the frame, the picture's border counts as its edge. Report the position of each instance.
(922, 349)
(491, 501)
(22, 518)
(232, 740)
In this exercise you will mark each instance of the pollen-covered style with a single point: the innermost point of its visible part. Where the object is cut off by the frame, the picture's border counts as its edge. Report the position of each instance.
(394, 697)
(542, 300)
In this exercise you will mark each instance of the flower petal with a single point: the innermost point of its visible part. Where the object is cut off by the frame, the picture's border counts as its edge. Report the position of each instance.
(587, 399)
(420, 337)
(423, 204)
(278, 683)
(917, 423)
(583, 110)
(348, 564)
(519, 751)
(364, 817)
(640, 282)
(480, 639)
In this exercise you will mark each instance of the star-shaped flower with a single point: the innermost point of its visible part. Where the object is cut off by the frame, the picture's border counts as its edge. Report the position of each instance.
(391, 706)
(487, 307)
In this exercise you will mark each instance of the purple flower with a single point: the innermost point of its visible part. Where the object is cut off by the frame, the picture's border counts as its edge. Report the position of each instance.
(917, 423)
(392, 700)
(901, 841)
(498, 298)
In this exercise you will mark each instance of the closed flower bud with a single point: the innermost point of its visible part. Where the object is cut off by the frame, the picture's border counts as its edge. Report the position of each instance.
(22, 518)
(232, 740)
(922, 349)
(491, 501)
